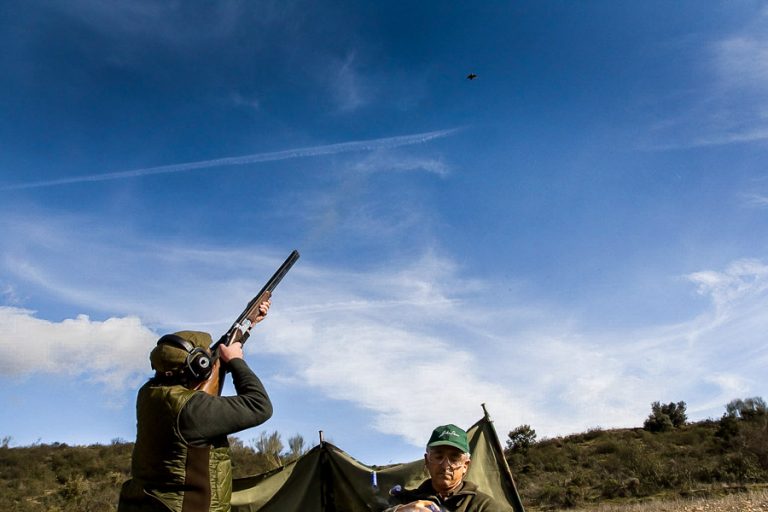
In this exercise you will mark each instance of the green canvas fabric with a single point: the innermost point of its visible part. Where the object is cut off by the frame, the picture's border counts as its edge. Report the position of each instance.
(326, 479)
(292, 487)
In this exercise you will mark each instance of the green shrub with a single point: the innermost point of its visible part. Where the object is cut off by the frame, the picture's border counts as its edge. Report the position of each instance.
(747, 409)
(560, 495)
(665, 417)
(521, 439)
(740, 467)
(607, 446)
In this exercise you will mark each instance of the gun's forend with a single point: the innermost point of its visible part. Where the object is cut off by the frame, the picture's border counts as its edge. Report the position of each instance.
(240, 329)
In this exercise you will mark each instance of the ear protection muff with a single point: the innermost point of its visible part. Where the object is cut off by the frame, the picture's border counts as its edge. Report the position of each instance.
(198, 363)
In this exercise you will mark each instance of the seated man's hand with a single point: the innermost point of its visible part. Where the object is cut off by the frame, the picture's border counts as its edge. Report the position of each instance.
(421, 505)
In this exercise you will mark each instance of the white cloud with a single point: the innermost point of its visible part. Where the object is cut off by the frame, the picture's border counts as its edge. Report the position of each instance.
(172, 23)
(755, 200)
(730, 106)
(107, 352)
(742, 60)
(250, 102)
(342, 328)
(746, 278)
(379, 161)
(9, 295)
(387, 342)
(347, 84)
(413, 364)
(415, 343)
(372, 200)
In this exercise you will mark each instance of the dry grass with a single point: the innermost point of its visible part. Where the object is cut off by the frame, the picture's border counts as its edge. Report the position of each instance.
(755, 501)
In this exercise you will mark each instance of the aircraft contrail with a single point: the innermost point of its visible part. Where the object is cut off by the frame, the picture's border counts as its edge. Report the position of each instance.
(330, 149)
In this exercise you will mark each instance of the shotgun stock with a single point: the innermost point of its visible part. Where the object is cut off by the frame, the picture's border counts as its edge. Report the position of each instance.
(241, 328)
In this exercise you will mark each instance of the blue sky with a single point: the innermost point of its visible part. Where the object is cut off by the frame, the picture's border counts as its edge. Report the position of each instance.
(574, 234)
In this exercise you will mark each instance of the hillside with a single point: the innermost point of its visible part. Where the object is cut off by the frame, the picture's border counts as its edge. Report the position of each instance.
(603, 467)
(61, 478)
(630, 465)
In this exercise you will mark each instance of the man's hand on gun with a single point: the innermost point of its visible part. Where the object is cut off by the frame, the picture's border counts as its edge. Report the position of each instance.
(235, 350)
(263, 308)
(230, 352)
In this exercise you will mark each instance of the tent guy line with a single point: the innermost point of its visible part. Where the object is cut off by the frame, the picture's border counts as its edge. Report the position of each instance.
(330, 149)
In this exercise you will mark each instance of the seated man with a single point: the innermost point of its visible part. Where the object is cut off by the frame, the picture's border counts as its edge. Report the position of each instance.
(447, 461)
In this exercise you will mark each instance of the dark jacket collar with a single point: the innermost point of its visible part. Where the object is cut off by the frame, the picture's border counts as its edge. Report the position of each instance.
(466, 488)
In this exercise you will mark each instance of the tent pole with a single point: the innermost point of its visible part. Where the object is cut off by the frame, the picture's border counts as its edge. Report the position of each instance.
(323, 474)
(518, 503)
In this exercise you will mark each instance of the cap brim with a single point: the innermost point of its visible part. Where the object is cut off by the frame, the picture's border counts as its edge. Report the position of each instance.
(449, 443)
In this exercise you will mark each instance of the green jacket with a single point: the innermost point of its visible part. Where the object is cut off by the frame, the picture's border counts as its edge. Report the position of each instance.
(181, 456)
(467, 499)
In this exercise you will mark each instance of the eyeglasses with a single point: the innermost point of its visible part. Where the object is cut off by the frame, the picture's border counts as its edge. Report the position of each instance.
(454, 460)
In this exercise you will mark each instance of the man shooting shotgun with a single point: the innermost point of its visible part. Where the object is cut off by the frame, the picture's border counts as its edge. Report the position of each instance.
(181, 457)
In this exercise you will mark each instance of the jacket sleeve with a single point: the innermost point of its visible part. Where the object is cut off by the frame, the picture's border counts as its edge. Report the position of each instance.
(206, 417)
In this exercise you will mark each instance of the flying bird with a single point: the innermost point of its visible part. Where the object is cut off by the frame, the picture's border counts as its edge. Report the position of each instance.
(471, 76)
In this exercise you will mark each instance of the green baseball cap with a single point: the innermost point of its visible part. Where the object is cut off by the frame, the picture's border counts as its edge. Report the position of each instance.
(449, 435)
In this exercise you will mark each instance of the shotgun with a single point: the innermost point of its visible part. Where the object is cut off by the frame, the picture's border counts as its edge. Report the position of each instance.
(241, 328)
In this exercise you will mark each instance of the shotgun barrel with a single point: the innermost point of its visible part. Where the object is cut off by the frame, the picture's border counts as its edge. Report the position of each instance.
(241, 328)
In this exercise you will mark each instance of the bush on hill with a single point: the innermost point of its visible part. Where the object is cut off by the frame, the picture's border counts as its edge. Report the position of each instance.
(665, 417)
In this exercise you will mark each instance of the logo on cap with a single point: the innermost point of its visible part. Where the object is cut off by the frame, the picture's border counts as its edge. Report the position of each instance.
(449, 435)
